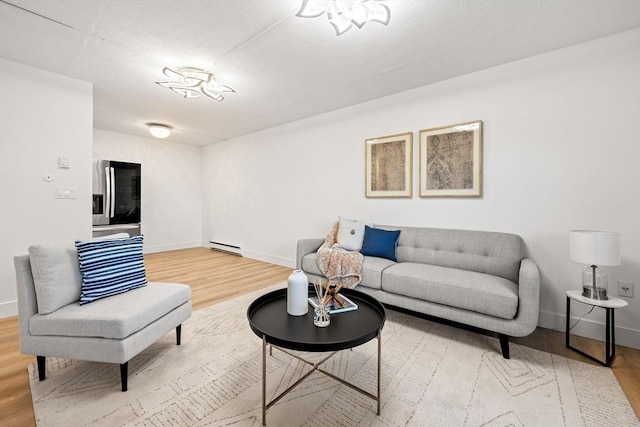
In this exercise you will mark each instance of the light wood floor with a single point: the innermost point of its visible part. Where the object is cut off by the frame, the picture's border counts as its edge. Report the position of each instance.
(215, 277)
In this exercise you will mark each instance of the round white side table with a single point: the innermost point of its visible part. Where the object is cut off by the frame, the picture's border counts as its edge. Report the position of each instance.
(609, 305)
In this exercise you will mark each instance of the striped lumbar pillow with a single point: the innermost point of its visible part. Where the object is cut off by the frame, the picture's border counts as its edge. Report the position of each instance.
(110, 267)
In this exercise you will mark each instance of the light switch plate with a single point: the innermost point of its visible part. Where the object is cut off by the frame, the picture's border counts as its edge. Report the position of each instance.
(66, 193)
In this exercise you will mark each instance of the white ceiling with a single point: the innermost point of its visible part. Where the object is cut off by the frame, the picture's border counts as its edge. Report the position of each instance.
(282, 67)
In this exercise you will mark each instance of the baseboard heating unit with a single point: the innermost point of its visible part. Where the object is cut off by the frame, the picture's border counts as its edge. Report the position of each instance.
(226, 247)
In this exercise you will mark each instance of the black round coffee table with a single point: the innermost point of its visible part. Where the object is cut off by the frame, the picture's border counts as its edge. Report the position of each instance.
(269, 320)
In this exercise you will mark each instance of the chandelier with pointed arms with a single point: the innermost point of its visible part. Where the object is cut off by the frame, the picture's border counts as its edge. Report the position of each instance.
(344, 14)
(192, 82)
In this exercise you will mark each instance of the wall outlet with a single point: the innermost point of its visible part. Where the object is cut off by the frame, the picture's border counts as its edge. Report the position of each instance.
(625, 289)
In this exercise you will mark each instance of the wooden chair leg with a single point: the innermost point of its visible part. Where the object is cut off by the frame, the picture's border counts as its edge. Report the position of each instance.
(504, 345)
(124, 372)
(42, 373)
(178, 332)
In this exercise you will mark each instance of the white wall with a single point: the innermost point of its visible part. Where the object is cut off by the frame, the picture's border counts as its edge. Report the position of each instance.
(561, 152)
(42, 116)
(171, 187)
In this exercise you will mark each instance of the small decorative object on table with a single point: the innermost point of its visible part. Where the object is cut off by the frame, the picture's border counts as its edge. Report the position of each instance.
(335, 307)
(321, 316)
(297, 292)
(320, 312)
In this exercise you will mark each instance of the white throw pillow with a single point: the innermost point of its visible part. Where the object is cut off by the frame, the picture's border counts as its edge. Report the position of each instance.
(350, 234)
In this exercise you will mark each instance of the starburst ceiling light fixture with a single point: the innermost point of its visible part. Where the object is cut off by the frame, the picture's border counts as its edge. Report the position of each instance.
(344, 14)
(192, 82)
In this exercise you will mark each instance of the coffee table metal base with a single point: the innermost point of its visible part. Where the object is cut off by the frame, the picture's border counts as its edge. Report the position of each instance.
(316, 367)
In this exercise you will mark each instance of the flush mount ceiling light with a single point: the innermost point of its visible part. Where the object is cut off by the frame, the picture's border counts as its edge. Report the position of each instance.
(192, 82)
(159, 130)
(344, 14)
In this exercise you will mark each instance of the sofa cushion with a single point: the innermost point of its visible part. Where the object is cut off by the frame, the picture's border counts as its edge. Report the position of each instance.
(116, 317)
(56, 275)
(380, 243)
(493, 253)
(110, 267)
(479, 292)
(310, 265)
(372, 268)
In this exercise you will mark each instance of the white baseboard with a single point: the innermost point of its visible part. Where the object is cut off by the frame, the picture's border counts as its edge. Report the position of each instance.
(8, 309)
(285, 262)
(590, 329)
(171, 247)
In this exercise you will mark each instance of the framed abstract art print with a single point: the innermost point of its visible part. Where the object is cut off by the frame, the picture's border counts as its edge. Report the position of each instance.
(451, 161)
(388, 166)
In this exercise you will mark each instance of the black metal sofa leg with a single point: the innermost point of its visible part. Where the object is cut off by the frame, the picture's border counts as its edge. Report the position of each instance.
(504, 345)
(178, 332)
(124, 372)
(42, 373)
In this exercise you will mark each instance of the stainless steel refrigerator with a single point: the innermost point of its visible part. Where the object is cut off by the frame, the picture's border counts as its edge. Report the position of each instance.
(116, 197)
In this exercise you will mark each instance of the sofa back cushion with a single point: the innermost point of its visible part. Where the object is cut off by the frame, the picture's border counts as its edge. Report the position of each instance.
(498, 254)
(56, 275)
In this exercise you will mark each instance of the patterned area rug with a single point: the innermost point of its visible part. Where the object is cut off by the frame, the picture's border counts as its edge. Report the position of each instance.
(432, 375)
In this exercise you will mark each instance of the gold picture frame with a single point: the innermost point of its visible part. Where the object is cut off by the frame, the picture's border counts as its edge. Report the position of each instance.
(388, 166)
(451, 160)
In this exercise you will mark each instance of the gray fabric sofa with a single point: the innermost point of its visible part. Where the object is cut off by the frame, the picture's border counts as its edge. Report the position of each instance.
(475, 278)
(111, 330)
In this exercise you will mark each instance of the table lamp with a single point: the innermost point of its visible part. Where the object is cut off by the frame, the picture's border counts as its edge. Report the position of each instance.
(594, 248)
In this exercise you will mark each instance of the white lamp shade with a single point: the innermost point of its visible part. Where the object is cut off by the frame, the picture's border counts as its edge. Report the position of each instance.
(594, 247)
(159, 131)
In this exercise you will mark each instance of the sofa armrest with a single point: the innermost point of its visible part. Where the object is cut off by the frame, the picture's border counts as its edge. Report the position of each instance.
(306, 247)
(528, 295)
(27, 302)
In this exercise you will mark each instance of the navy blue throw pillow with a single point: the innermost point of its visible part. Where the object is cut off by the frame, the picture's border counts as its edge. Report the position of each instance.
(380, 243)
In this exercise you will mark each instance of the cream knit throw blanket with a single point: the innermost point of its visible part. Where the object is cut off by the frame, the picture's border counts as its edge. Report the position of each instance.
(340, 266)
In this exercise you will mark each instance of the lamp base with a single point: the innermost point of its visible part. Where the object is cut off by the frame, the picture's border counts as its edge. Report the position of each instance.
(594, 293)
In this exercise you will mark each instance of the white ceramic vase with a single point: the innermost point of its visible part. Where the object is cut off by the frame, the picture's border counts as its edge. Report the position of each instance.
(297, 293)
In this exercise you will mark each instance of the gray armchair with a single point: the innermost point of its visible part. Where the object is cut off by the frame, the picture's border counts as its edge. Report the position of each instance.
(112, 330)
